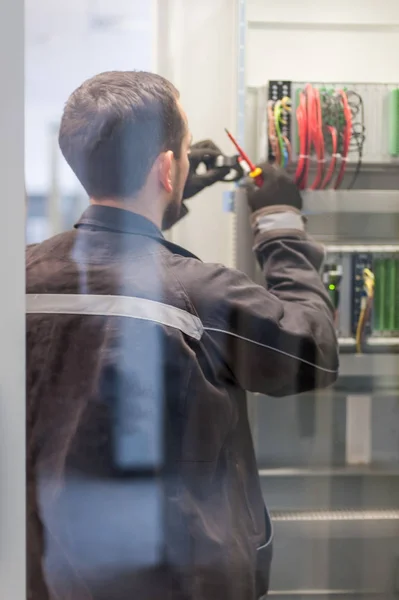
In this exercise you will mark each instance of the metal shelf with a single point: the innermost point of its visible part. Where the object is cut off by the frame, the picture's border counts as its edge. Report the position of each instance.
(373, 365)
(335, 515)
(374, 346)
(359, 248)
(333, 488)
(376, 176)
(345, 471)
(313, 549)
(351, 201)
(382, 366)
(309, 594)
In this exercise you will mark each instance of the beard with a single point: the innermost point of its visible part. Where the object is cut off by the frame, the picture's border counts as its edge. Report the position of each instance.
(174, 208)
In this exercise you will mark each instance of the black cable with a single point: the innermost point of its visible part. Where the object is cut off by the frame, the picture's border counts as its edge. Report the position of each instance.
(358, 131)
(333, 117)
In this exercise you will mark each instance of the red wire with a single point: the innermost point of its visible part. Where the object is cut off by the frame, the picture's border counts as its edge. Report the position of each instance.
(331, 168)
(308, 134)
(299, 118)
(301, 171)
(310, 128)
(347, 135)
(274, 145)
(316, 127)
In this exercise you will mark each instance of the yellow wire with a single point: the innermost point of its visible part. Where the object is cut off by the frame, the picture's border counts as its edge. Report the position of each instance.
(286, 103)
(278, 121)
(281, 106)
(369, 282)
(359, 330)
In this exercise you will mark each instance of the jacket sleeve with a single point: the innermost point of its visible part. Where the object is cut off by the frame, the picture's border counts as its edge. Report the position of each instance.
(278, 340)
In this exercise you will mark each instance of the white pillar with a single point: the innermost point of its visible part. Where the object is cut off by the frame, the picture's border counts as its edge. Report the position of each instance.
(197, 50)
(54, 206)
(12, 307)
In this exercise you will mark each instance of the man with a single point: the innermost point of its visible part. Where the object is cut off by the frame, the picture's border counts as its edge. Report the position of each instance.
(138, 355)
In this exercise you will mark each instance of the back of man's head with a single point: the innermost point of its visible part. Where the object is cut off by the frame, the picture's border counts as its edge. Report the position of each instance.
(113, 128)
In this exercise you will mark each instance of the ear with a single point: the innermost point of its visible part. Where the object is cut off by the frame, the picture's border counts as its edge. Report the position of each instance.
(165, 169)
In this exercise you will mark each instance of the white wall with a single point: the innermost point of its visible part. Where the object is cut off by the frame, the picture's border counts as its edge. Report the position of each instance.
(62, 50)
(344, 40)
(341, 12)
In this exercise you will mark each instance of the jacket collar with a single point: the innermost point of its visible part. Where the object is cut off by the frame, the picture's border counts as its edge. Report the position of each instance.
(108, 218)
(117, 220)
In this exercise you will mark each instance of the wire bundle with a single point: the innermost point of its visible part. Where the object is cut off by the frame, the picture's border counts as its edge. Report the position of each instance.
(346, 138)
(330, 125)
(277, 118)
(311, 138)
(358, 131)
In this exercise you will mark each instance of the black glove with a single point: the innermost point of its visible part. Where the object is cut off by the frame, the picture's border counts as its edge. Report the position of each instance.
(278, 189)
(203, 153)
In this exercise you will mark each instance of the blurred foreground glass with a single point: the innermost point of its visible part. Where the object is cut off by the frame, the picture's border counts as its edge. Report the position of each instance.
(328, 461)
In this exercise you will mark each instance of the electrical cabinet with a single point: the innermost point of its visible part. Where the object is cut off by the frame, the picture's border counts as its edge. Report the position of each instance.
(328, 461)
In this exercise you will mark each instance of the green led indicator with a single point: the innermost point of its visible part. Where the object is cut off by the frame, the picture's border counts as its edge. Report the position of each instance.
(331, 287)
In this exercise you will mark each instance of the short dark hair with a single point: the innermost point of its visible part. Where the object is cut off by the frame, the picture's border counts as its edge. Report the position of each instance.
(113, 128)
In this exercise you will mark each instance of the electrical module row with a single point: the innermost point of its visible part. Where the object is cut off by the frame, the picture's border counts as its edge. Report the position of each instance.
(325, 132)
(363, 288)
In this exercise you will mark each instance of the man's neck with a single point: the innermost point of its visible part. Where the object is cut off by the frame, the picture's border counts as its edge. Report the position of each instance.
(146, 210)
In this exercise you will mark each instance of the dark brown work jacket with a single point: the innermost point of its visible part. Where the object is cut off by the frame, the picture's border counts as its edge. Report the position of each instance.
(138, 355)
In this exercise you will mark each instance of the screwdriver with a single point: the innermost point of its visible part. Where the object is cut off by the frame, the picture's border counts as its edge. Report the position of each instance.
(254, 172)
